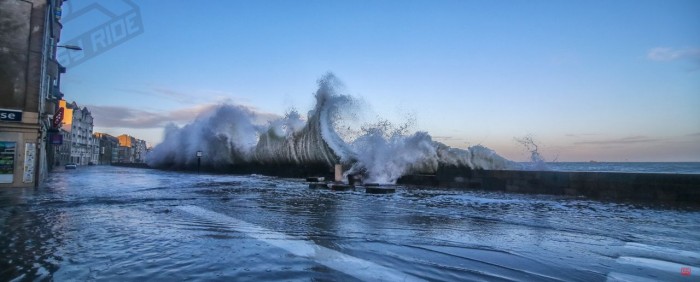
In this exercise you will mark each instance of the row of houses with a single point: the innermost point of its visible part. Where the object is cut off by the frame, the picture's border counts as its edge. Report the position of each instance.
(77, 143)
(120, 149)
(32, 139)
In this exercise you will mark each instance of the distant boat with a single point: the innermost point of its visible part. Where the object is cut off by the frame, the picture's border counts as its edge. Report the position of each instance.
(592, 161)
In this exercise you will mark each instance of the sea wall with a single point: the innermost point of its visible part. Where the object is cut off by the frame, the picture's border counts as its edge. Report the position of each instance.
(674, 189)
(683, 189)
(135, 165)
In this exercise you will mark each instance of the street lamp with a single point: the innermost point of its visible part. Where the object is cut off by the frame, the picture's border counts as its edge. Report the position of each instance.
(70, 47)
(199, 161)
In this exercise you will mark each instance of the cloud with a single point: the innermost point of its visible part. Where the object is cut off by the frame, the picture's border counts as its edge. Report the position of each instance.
(580, 135)
(161, 92)
(664, 54)
(198, 96)
(445, 138)
(134, 91)
(126, 117)
(621, 141)
(174, 94)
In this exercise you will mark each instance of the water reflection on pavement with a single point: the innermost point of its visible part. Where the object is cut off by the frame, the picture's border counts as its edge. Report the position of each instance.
(111, 223)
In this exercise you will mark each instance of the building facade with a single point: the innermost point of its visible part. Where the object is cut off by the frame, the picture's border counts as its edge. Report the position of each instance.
(63, 151)
(126, 148)
(95, 157)
(140, 151)
(108, 148)
(79, 123)
(131, 150)
(29, 88)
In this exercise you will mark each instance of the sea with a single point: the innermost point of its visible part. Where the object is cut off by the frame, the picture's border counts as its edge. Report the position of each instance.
(631, 167)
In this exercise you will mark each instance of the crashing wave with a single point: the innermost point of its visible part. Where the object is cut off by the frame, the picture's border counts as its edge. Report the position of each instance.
(228, 136)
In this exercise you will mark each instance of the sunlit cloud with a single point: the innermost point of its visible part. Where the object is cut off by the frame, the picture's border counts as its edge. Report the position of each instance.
(126, 117)
(445, 138)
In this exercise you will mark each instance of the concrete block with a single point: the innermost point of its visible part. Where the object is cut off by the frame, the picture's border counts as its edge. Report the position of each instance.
(340, 187)
(379, 189)
(315, 179)
(318, 185)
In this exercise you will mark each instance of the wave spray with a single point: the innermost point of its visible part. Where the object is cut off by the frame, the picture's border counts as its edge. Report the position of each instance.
(229, 136)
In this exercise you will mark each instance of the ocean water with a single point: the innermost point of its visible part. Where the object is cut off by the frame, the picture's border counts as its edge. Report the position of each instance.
(632, 167)
(105, 223)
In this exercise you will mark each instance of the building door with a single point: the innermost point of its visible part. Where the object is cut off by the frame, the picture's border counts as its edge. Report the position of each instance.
(7, 161)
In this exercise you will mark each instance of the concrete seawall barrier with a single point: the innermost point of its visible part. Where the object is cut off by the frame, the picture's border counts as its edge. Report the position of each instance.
(681, 189)
(135, 165)
(675, 189)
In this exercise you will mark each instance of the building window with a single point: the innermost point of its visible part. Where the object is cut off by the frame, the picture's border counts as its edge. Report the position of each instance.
(53, 43)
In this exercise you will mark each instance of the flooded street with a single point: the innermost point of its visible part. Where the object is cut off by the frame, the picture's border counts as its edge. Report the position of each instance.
(112, 223)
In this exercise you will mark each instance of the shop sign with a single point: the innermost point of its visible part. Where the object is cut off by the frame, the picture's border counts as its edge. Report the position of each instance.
(10, 115)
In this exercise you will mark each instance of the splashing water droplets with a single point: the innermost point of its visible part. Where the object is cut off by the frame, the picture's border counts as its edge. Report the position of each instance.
(379, 150)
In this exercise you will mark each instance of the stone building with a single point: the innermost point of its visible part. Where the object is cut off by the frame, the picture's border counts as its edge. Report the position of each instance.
(126, 148)
(79, 123)
(108, 148)
(95, 157)
(63, 151)
(131, 150)
(140, 150)
(29, 88)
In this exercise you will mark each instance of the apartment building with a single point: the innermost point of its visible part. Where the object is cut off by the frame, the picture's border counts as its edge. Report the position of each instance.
(78, 122)
(108, 149)
(30, 89)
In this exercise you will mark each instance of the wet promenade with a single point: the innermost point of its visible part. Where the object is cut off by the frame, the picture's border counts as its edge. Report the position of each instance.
(114, 223)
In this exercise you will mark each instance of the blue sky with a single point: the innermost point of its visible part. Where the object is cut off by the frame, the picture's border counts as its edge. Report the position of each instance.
(589, 80)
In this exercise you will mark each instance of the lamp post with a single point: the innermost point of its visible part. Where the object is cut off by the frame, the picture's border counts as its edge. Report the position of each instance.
(199, 161)
(70, 47)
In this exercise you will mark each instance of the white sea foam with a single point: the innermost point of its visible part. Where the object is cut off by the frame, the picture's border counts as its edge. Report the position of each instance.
(381, 152)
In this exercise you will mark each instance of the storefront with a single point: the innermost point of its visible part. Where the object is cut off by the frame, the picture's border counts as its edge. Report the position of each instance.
(19, 153)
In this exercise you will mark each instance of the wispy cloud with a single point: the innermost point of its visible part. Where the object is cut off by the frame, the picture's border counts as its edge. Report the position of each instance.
(184, 97)
(697, 134)
(126, 117)
(621, 141)
(580, 135)
(162, 92)
(446, 138)
(665, 54)
(174, 94)
(670, 54)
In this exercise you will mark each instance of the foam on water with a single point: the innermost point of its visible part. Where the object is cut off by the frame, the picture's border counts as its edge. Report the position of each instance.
(228, 135)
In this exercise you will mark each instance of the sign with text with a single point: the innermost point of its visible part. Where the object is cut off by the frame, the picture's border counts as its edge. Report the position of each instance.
(58, 117)
(10, 115)
(29, 159)
(56, 138)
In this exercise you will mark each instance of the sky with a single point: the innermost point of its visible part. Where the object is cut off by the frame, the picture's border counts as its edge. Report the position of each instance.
(587, 80)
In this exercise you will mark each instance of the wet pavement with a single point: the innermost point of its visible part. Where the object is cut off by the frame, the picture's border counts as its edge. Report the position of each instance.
(111, 223)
